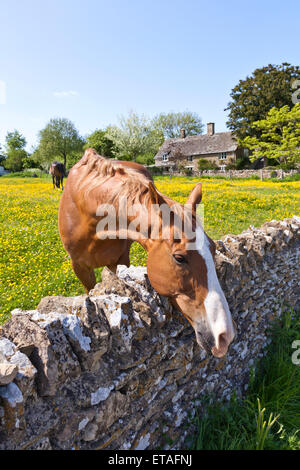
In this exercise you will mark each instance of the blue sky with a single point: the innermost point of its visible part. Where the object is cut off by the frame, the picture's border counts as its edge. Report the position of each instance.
(93, 61)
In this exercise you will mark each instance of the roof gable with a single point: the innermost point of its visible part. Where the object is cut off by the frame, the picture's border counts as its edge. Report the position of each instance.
(200, 144)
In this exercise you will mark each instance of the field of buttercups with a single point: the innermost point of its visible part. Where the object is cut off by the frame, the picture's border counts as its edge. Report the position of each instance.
(33, 263)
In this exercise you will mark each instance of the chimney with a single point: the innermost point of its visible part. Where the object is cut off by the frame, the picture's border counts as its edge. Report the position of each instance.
(182, 133)
(210, 128)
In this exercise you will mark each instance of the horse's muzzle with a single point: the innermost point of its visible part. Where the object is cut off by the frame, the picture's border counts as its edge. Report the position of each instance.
(205, 340)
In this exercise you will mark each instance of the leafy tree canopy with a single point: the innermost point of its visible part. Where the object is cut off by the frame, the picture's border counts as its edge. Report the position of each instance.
(252, 98)
(133, 137)
(146, 159)
(99, 141)
(169, 124)
(15, 141)
(279, 135)
(138, 137)
(59, 140)
(15, 151)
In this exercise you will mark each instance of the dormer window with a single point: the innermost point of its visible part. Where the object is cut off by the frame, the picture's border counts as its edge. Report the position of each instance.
(165, 157)
(223, 156)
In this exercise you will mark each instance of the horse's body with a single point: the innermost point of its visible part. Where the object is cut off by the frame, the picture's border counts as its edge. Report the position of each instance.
(57, 170)
(186, 276)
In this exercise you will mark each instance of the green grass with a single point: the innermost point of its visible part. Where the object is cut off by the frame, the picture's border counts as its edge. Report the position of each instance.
(291, 178)
(27, 174)
(273, 398)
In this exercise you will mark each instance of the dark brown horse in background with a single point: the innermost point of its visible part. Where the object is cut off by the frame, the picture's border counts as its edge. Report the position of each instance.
(58, 171)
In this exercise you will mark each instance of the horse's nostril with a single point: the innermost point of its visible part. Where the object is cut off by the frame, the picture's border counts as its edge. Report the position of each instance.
(221, 346)
(222, 341)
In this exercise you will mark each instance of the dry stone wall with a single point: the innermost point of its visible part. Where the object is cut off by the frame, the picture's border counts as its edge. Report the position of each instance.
(263, 173)
(120, 369)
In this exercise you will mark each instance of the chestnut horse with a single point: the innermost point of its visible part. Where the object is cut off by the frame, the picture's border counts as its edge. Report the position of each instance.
(57, 170)
(187, 276)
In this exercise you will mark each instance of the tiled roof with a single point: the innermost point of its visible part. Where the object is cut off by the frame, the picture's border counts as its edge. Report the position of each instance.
(199, 145)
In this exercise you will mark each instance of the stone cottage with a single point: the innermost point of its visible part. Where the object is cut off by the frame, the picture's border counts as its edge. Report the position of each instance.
(219, 147)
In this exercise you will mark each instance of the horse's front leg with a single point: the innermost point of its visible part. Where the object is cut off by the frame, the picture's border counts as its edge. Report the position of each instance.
(53, 181)
(113, 267)
(124, 258)
(85, 275)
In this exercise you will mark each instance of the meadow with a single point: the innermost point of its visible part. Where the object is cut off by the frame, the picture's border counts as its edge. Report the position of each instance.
(34, 264)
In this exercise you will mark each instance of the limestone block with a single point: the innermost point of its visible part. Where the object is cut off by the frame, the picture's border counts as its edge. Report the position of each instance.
(7, 373)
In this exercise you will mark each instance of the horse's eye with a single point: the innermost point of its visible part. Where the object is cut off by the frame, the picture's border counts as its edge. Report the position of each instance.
(180, 259)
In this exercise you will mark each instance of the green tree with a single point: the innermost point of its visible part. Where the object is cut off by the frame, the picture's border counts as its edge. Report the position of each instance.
(252, 98)
(279, 136)
(169, 124)
(29, 162)
(2, 154)
(133, 137)
(15, 151)
(59, 140)
(146, 159)
(99, 141)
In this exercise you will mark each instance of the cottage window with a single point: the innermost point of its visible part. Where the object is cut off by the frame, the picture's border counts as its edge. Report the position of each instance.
(165, 157)
(190, 158)
(223, 156)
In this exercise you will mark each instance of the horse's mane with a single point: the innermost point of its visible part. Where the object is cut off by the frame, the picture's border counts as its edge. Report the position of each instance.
(96, 170)
(98, 166)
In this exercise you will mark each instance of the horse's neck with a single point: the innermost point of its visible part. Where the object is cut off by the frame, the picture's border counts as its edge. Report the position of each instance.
(148, 224)
(140, 220)
(136, 217)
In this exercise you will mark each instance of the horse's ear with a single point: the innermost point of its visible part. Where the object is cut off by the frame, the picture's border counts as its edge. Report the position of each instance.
(154, 197)
(195, 196)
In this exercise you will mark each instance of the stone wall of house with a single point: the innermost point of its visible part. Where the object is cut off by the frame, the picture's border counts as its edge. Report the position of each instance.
(263, 173)
(120, 369)
(213, 158)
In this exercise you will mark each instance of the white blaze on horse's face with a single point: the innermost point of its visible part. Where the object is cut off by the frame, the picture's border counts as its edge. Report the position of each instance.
(215, 304)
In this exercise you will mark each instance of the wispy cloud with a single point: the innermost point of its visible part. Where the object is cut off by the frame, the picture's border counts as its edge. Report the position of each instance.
(65, 94)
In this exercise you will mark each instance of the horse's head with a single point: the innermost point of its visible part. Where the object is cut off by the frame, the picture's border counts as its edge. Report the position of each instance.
(188, 277)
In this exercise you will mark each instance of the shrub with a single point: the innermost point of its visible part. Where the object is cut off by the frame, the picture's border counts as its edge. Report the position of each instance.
(204, 164)
(27, 173)
(146, 159)
(288, 166)
(155, 170)
(231, 166)
(272, 162)
(242, 163)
